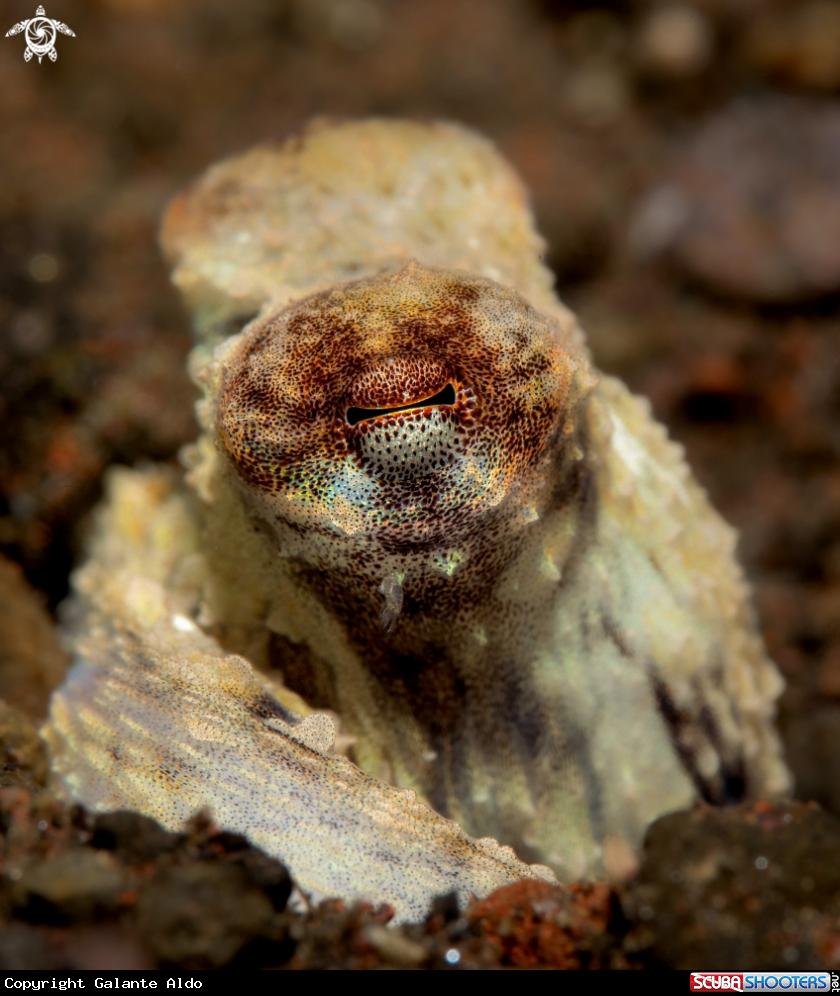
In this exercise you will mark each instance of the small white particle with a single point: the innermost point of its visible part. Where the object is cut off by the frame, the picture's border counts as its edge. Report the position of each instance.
(530, 514)
(452, 956)
(184, 625)
(42, 825)
(762, 864)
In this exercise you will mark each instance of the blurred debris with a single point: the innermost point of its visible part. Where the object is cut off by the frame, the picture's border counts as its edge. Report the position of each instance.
(797, 43)
(752, 205)
(675, 40)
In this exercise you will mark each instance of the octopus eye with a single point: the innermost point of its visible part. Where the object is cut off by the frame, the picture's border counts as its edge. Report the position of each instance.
(411, 440)
(447, 396)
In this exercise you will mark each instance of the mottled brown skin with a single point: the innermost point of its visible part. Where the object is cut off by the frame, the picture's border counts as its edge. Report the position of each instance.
(416, 500)
(516, 455)
(391, 342)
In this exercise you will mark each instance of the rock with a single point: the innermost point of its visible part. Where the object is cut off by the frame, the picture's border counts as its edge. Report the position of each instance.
(31, 661)
(751, 207)
(132, 837)
(267, 873)
(202, 915)
(813, 746)
(798, 43)
(23, 757)
(757, 887)
(539, 925)
(118, 891)
(76, 885)
(22, 947)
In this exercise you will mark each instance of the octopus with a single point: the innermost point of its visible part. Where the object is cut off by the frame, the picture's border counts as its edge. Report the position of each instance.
(436, 606)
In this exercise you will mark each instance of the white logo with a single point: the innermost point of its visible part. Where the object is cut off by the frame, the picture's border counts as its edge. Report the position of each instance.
(40, 35)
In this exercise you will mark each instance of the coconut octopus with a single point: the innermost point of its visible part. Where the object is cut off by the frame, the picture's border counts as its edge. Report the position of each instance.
(415, 510)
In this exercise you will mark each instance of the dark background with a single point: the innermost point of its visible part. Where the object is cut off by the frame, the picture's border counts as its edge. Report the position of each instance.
(685, 169)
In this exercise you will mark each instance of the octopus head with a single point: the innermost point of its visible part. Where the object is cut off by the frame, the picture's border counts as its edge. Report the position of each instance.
(396, 415)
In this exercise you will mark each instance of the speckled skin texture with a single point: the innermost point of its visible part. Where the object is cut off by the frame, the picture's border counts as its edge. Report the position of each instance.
(511, 590)
(155, 717)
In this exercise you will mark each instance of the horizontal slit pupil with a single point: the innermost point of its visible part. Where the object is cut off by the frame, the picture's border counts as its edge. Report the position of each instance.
(445, 397)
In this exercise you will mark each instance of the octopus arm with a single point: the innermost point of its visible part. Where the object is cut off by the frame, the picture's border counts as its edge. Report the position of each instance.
(156, 718)
(669, 561)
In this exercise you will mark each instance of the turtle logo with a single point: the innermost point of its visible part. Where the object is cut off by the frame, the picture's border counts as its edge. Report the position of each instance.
(40, 35)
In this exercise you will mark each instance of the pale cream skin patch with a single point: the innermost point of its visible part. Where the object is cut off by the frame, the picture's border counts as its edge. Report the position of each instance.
(415, 501)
